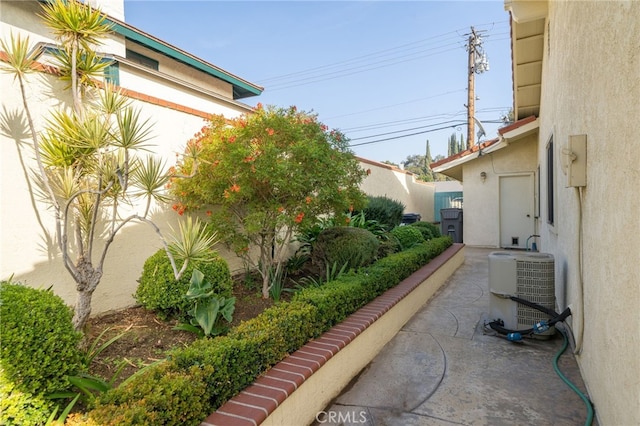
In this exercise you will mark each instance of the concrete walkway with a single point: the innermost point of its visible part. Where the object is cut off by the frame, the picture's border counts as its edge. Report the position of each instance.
(441, 369)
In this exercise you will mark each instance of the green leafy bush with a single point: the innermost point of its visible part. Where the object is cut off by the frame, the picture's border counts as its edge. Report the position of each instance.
(408, 236)
(39, 349)
(389, 244)
(161, 395)
(22, 408)
(209, 310)
(428, 230)
(355, 247)
(39, 344)
(198, 379)
(386, 211)
(160, 292)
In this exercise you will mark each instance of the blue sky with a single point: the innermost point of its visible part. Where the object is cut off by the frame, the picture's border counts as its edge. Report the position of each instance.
(375, 70)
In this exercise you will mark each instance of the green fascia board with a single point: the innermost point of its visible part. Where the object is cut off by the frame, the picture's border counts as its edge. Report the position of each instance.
(241, 89)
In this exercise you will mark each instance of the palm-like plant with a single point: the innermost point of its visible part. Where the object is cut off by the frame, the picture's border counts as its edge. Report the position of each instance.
(80, 29)
(87, 157)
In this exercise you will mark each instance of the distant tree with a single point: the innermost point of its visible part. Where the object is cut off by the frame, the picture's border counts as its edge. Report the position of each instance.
(391, 163)
(417, 165)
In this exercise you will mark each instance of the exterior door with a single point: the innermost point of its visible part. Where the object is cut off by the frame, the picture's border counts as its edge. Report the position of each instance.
(516, 211)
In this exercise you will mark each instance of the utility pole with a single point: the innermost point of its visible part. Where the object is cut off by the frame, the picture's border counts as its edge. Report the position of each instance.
(477, 65)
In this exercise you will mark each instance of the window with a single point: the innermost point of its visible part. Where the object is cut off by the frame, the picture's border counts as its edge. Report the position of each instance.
(550, 188)
(112, 74)
(142, 60)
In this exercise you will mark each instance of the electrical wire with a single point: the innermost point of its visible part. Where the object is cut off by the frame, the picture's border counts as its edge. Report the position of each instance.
(368, 62)
(410, 134)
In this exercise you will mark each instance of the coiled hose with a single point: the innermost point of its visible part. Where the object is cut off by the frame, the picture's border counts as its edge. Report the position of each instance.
(554, 319)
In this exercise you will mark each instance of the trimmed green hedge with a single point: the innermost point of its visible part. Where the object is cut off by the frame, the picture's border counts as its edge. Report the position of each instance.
(38, 349)
(196, 380)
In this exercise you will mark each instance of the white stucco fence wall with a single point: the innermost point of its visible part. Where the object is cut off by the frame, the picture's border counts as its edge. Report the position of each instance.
(391, 182)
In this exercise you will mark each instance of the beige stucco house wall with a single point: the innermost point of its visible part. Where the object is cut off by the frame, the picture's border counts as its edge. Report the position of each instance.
(400, 185)
(176, 98)
(591, 86)
(576, 76)
(485, 170)
(482, 199)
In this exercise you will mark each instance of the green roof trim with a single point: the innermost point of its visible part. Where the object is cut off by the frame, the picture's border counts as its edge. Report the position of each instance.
(241, 88)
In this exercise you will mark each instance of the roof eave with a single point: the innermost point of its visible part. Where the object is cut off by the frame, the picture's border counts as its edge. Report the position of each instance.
(241, 88)
(527, 50)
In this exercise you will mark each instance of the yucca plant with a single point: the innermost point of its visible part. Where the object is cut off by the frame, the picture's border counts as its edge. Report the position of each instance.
(88, 157)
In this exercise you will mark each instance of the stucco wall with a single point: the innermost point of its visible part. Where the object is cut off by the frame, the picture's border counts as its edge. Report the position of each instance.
(26, 251)
(391, 182)
(180, 71)
(481, 218)
(591, 86)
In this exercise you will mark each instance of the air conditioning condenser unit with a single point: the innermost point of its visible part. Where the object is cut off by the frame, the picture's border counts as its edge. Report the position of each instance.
(526, 275)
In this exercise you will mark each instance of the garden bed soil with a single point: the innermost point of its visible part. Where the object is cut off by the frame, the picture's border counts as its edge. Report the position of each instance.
(147, 338)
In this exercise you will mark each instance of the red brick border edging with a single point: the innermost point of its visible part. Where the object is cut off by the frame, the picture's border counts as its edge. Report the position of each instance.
(254, 404)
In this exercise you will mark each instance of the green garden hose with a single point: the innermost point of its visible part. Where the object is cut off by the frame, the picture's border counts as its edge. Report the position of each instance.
(571, 385)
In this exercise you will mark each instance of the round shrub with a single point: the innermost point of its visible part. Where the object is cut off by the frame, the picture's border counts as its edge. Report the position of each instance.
(408, 236)
(342, 245)
(22, 408)
(39, 343)
(160, 292)
(428, 230)
(384, 210)
(389, 244)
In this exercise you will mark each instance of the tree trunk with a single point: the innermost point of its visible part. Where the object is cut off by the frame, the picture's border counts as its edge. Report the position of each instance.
(82, 308)
(89, 278)
(266, 282)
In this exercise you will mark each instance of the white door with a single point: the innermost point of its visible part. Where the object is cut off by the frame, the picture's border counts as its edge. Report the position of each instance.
(516, 211)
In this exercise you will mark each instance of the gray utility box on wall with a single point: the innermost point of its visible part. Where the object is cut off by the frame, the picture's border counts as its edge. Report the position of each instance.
(451, 224)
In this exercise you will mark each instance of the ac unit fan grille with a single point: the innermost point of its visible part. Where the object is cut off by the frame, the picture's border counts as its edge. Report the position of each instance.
(535, 283)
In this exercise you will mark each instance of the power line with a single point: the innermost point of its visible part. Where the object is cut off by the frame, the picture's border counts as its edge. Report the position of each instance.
(411, 134)
(454, 123)
(403, 130)
(315, 74)
(417, 119)
(394, 105)
(347, 61)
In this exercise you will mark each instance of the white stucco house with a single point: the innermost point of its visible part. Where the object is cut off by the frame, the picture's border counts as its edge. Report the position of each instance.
(178, 92)
(174, 89)
(568, 170)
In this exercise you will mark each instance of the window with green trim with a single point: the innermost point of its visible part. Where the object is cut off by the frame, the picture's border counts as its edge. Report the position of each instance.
(145, 61)
(112, 74)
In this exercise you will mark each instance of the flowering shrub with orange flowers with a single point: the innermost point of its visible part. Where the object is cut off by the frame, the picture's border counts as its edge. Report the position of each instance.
(268, 174)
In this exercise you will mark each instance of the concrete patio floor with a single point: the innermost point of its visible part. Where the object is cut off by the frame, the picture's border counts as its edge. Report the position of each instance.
(442, 369)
